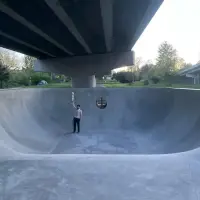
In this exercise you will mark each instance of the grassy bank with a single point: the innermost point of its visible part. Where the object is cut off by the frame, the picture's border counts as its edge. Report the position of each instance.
(120, 85)
(159, 85)
(52, 85)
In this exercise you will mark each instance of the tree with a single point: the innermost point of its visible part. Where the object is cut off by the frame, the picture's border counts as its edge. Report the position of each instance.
(155, 79)
(136, 66)
(4, 74)
(10, 59)
(145, 70)
(28, 65)
(114, 75)
(135, 69)
(180, 64)
(167, 59)
(29, 62)
(187, 65)
(138, 63)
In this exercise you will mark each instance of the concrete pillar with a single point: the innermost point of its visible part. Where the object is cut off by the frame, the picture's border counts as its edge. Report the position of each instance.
(197, 79)
(83, 81)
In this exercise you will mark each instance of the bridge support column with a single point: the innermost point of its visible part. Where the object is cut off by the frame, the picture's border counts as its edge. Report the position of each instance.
(83, 81)
(83, 68)
(197, 79)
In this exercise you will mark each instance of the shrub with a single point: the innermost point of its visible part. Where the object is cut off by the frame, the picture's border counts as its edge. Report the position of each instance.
(176, 79)
(12, 84)
(155, 79)
(146, 82)
(24, 80)
(36, 78)
(130, 84)
(21, 78)
(168, 85)
(125, 77)
(4, 74)
(137, 76)
(18, 78)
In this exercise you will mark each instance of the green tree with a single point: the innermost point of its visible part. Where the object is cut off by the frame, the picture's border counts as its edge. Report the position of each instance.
(136, 66)
(4, 74)
(28, 65)
(187, 65)
(135, 69)
(146, 70)
(166, 62)
(10, 59)
(180, 64)
(29, 62)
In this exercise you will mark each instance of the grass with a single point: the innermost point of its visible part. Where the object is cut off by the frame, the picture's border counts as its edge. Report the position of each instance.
(121, 85)
(52, 85)
(185, 86)
(140, 84)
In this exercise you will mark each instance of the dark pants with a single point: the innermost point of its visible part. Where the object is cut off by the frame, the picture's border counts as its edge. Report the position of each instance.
(76, 122)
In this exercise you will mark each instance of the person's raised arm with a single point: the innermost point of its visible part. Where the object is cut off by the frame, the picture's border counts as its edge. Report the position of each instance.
(73, 104)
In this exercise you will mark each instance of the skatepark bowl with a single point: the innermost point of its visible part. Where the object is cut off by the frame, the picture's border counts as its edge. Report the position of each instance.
(143, 145)
(136, 121)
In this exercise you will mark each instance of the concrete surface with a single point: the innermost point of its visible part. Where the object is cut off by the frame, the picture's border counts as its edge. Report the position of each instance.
(83, 66)
(113, 26)
(161, 126)
(81, 81)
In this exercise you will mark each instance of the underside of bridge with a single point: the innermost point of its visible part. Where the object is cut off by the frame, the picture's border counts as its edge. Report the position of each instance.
(67, 33)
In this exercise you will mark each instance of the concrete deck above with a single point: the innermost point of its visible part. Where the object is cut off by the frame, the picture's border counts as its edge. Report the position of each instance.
(65, 28)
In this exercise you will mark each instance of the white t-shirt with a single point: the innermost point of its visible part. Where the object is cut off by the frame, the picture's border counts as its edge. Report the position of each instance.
(78, 113)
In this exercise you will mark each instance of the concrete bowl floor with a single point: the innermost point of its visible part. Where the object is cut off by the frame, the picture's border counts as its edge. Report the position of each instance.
(144, 145)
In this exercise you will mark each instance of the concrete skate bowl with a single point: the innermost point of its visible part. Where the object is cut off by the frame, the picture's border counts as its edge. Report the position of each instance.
(136, 121)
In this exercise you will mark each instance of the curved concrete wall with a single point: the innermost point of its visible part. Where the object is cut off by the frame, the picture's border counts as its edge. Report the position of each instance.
(152, 120)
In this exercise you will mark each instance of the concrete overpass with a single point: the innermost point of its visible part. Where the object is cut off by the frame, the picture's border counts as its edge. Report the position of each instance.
(81, 38)
(193, 71)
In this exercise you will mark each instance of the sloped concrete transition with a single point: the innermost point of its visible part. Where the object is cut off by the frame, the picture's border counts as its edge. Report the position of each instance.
(151, 139)
(136, 121)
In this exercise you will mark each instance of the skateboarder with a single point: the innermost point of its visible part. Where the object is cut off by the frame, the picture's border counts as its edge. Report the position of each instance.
(77, 117)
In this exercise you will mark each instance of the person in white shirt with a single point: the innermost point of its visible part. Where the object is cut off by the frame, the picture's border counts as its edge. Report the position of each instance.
(77, 117)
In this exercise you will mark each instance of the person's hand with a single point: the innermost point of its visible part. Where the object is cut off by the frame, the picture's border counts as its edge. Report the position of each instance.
(72, 96)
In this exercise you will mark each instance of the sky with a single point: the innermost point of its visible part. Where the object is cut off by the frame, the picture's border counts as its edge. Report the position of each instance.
(177, 22)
